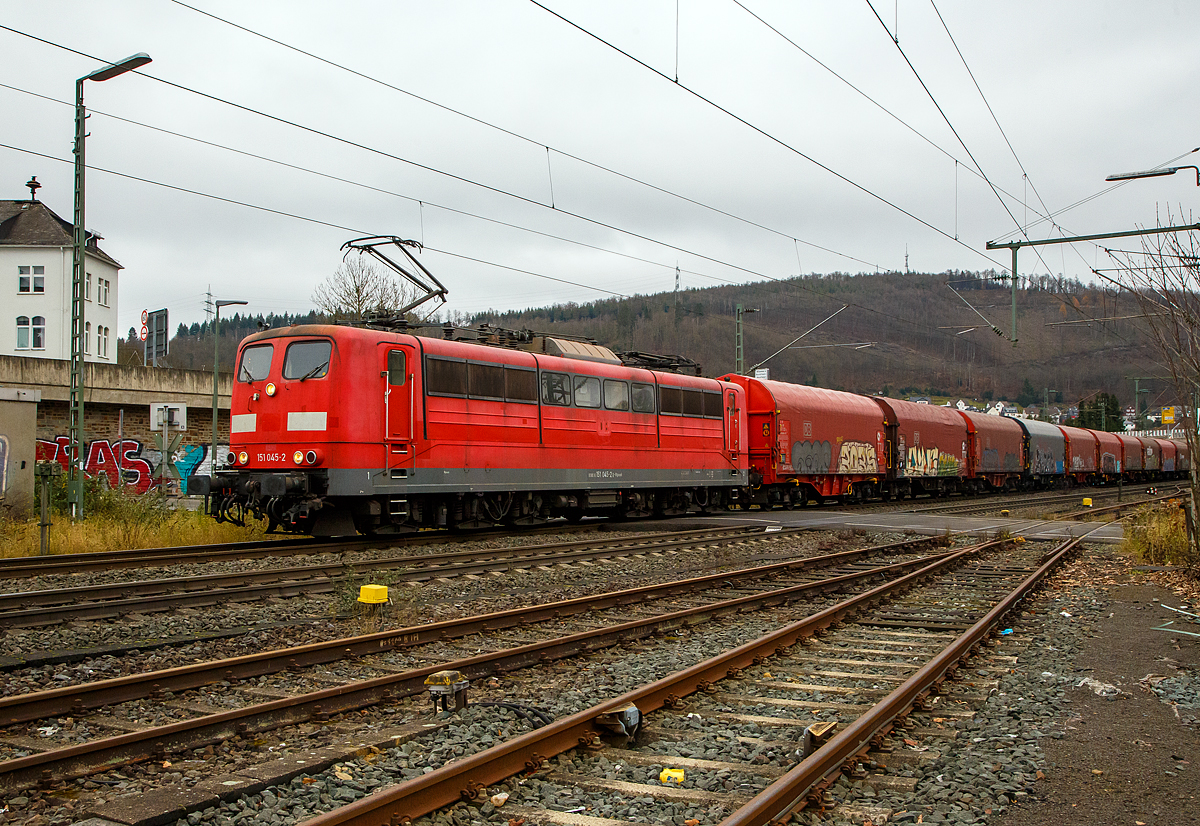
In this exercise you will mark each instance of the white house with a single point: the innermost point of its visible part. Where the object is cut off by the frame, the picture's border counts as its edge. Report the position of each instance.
(35, 260)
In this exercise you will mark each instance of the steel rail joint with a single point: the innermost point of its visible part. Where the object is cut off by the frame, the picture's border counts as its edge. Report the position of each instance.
(445, 785)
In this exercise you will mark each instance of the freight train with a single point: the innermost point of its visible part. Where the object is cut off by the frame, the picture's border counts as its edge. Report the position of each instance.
(340, 429)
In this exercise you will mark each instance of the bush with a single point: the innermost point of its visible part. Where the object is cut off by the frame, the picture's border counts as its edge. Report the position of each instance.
(1159, 536)
(117, 520)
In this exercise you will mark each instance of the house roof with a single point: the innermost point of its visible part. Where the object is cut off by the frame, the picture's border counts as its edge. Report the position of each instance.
(33, 224)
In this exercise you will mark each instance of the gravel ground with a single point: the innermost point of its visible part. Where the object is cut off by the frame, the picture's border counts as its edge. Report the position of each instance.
(1073, 732)
(1022, 759)
(412, 604)
(565, 687)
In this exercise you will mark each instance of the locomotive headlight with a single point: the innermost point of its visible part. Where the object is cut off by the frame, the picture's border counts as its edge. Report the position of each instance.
(230, 458)
(313, 457)
(270, 388)
(298, 457)
(243, 457)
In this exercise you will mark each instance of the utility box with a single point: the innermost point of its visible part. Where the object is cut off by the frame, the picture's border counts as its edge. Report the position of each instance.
(18, 447)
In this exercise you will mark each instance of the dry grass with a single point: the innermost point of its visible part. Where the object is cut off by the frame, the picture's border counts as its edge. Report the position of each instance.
(117, 521)
(1159, 536)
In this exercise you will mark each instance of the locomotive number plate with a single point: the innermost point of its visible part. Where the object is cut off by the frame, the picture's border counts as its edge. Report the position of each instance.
(271, 457)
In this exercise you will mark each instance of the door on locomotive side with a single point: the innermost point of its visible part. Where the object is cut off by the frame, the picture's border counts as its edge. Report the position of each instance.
(399, 403)
(733, 439)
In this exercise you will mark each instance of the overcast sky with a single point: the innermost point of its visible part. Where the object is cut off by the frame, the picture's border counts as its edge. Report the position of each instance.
(820, 174)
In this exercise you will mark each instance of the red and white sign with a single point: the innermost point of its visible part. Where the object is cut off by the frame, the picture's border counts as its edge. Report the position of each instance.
(145, 318)
(145, 331)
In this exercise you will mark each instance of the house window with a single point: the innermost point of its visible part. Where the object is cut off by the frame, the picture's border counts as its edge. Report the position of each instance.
(31, 279)
(87, 287)
(39, 332)
(104, 348)
(87, 337)
(22, 332)
(99, 340)
(102, 291)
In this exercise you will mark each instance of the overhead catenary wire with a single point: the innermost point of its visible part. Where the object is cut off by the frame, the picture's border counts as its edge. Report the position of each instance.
(760, 130)
(749, 271)
(869, 99)
(383, 153)
(298, 217)
(524, 199)
(370, 187)
(1020, 227)
(525, 138)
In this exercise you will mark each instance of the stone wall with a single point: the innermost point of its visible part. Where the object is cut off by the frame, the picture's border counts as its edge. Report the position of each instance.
(127, 451)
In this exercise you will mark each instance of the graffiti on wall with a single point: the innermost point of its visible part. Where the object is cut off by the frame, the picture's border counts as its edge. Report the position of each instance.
(812, 457)
(1046, 462)
(817, 457)
(929, 461)
(128, 463)
(992, 463)
(858, 457)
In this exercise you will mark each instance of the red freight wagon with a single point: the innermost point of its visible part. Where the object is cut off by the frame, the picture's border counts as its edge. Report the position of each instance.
(930, 444)
(338, 428)
(1183, 456)
(811, 442)
(1082, 453)
(1168, 451)
(1132, 461)
(997, 450)
(1110, 453)
(1151, 455)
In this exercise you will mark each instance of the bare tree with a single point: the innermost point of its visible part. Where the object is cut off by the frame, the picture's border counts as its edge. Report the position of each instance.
(358, 287)
(1165, 279)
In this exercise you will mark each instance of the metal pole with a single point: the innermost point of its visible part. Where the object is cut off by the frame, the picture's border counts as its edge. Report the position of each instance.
(212, 470)
(75, 413)
(739, 356)
(44, 479)
(78, 266)
(120, 449)
(1014, 296)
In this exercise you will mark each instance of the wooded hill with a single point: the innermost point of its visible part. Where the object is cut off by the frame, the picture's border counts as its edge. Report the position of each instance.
(921, 333)
(917, 323)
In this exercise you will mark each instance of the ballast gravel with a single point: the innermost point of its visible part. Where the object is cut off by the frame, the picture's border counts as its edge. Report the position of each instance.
(601, 679)
(967, 772)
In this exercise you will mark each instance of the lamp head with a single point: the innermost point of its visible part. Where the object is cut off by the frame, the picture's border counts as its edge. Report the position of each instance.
(119, 68)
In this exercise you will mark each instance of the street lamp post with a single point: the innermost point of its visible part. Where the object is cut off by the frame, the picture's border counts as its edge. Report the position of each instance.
(1152, 173)
(78, 266)
(216, 361)
(1193, 517)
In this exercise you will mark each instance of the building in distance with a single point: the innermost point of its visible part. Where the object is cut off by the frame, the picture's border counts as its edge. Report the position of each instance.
(36, 262)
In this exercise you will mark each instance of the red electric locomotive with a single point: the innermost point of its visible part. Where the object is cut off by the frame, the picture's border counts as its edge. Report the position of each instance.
(338, 428)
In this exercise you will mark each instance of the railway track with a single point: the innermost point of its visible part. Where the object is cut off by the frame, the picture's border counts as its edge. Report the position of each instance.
(1030, 501)
(820, 716)
(49, 607)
